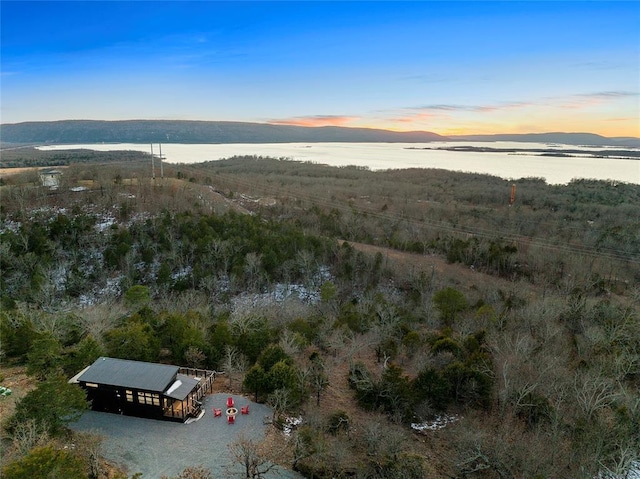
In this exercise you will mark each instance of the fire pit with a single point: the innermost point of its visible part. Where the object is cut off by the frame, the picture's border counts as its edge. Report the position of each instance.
(232, 411)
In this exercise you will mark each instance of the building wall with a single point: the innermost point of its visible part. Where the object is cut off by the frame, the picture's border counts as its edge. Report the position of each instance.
(51, 180)
(130, 402)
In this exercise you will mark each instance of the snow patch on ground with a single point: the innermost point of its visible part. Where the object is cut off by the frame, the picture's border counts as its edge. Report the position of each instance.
(105, 223)
(282, 292)
(47, 212)
(91, 259)
(278, 295)
(139, 218)
(182, 273)
(290, 423)
(58, 277)
(633, 473)
(111, 289)
(10, 225)
(440, 422)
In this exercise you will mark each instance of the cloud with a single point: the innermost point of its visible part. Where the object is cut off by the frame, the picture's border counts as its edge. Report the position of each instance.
(605, 95)
(412, 118)
(447, 111)
(583, 100)
(626, 119)
(471, 108)
(314, 120)
(489, 116)
(575, 101)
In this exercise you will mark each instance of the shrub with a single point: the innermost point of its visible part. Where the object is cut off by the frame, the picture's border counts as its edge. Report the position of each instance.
(431, 385)
(53, 404)
(338, 421)
(533, 408)
(450, 302)
(44, 462)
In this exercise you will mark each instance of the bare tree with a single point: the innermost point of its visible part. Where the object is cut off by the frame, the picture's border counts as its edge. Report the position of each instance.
(280, 401)
(318, 377)
(290, 342)
(593, 393)
(354, 344)
(88, 446)
(250, 456)
(233, 361)
(307, 266)
(27, 435)
(625, 460)
(98, 319)
(252, 270)
(194, 357)
(383, 329)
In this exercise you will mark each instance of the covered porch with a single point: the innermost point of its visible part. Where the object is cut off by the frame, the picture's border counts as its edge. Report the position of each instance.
(183, 399)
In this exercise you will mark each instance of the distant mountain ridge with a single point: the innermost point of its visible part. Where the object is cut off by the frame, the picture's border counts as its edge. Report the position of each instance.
(189, 131)
(587, 139)
(186, 131)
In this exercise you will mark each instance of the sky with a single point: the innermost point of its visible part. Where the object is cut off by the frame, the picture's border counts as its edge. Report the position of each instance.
(456, 67)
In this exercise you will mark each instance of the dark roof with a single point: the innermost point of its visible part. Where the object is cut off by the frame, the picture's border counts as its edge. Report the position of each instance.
(130, 374)
(182, 386)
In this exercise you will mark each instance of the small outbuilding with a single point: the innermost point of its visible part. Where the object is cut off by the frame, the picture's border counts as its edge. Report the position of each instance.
(50, 178)
(137, 388)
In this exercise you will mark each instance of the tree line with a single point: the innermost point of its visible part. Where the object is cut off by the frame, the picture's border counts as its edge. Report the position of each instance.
(31, 157)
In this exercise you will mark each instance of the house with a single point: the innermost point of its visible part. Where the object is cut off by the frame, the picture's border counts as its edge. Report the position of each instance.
(50, 178)
(136, 388)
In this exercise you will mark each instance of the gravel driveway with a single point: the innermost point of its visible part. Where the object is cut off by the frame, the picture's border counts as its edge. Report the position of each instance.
(156, 448)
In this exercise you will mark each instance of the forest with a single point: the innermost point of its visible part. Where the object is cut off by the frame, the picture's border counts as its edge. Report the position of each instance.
(419, 324)
(32, 157)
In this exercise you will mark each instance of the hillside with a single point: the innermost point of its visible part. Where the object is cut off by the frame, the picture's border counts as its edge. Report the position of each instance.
(588, 139)
(146, 131)
(418, 325)
(183, 131)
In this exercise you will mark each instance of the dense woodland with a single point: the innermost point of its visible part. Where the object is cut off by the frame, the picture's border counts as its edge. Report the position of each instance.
(369, 303)
(30, 157)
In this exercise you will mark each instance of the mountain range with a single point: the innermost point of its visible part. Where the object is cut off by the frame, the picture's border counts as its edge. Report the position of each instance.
(187, 131)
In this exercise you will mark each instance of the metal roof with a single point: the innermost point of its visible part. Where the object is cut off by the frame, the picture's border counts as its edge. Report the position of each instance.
(130, 374)
(182, 387)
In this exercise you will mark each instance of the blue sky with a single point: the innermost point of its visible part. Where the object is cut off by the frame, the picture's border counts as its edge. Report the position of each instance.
(448, 67)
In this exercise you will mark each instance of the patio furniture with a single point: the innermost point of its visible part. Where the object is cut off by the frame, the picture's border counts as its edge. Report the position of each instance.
(217, 412)
(231, 419)
(245, 409)
(229, 402)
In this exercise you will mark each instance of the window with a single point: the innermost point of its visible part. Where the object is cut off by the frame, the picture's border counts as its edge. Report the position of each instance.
(149, 398)
(129, 394)
(91, 385)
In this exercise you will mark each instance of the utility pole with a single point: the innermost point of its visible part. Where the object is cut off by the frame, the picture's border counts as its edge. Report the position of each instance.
(153, 165)
(161, 166)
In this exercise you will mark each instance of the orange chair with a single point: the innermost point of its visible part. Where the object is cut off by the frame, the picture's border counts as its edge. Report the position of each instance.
(229, 402)
(217, 412)
(245, 409)
(231, 419)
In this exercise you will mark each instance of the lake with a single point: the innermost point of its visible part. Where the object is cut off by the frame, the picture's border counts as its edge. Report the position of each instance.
(383, 156)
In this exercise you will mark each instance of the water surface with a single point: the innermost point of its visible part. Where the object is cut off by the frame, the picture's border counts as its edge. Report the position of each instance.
(383, 156)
